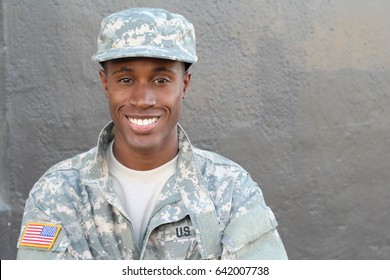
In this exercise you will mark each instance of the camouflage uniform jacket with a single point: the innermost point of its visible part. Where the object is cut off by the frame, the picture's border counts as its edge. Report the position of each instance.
(210, 209)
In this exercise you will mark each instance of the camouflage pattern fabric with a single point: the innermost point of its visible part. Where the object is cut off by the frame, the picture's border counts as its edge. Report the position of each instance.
(210, 209)
(146, 32)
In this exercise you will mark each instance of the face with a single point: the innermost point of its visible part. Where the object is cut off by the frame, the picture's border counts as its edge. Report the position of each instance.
(145, 99)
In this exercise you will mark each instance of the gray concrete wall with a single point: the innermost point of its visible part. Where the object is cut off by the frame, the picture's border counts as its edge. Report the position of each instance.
(295, 91)
(6, 251)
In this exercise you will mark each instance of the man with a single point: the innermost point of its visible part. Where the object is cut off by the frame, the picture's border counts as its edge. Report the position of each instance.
(145, 192)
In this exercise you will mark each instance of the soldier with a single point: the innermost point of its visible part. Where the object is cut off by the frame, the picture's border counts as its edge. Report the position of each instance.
(145, 192)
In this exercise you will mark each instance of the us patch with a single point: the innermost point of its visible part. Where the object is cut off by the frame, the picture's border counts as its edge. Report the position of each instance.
(40, 235)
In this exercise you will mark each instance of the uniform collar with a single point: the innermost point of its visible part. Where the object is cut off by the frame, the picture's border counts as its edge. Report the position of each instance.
(98, 171)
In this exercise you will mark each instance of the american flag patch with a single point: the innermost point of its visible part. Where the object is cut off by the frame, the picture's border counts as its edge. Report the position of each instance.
(40, 235)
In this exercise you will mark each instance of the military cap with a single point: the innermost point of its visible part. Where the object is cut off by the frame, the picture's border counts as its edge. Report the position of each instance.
(146, 32)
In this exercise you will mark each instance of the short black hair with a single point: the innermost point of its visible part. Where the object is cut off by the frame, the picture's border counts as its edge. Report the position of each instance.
(186, 66)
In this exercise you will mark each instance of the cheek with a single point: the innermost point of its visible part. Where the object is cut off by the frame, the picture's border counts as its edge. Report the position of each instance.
(178, 106)
(116, 97)
(111, 109)
(114, 104)
(176, 101)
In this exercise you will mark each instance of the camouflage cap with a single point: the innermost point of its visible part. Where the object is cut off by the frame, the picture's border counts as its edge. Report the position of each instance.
(146, 32)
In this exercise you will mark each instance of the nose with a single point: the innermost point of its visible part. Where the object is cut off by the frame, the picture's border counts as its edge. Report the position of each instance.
(142, 97)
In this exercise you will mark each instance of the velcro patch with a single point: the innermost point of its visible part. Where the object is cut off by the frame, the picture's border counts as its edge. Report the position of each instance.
(40, 235)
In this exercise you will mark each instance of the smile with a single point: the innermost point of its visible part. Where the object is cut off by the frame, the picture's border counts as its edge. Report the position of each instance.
(143, 122)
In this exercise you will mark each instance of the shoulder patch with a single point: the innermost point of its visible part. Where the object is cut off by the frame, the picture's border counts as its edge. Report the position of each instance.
(40, 235)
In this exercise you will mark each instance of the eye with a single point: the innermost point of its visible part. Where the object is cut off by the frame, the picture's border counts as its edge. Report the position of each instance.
(161, 81)
(125, 81)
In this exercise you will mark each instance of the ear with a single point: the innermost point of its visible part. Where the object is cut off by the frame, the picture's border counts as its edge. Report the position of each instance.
(103, 79)
(186, 83)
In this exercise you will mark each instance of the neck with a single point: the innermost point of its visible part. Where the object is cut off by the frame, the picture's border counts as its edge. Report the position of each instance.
(143, 160)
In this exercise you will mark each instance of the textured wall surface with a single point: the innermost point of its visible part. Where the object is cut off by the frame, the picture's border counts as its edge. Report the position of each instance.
(6, 251)
(297, 92)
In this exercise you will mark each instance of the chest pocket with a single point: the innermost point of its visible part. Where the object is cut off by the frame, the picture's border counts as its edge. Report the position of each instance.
(173, 241)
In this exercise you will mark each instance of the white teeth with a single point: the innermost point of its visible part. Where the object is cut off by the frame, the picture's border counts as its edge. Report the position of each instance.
(143, 122)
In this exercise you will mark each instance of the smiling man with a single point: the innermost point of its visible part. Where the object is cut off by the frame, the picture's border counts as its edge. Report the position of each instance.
(145, 97)
(145, 192)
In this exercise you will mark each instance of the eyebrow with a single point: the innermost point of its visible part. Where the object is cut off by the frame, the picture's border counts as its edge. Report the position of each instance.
(123, 69)
(157, 69)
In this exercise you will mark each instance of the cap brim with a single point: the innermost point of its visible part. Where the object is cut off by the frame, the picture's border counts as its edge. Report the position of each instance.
(145, 51)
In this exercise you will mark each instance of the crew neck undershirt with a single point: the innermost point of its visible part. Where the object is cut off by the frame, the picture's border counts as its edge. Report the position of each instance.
(138, 191)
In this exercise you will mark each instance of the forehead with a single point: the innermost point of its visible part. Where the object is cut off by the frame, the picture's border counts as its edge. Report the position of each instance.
(144, 62)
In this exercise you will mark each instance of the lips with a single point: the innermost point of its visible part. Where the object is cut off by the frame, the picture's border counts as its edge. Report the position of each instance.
(142, 125)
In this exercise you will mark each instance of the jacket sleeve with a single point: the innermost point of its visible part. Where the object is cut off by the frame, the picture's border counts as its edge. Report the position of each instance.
(39, 212)
(251, 232)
